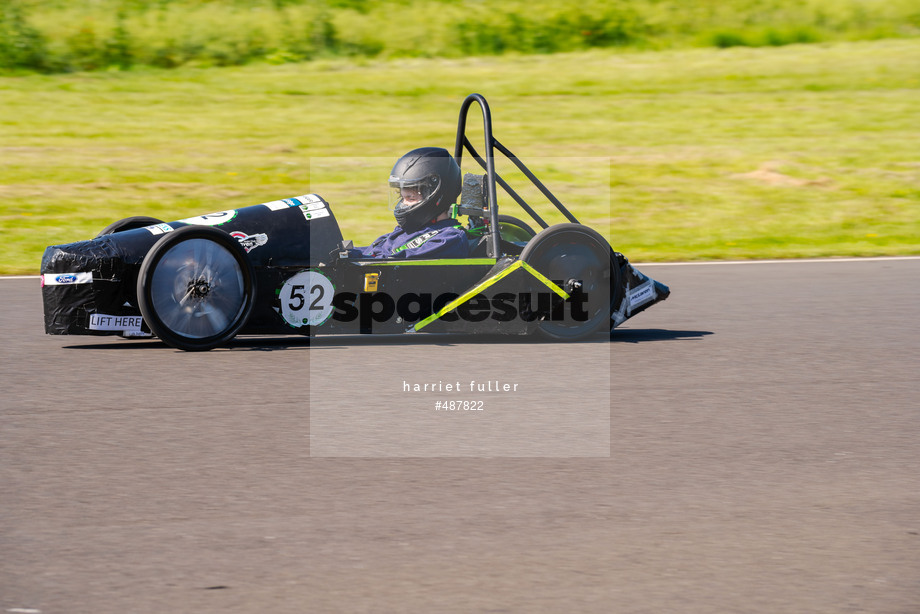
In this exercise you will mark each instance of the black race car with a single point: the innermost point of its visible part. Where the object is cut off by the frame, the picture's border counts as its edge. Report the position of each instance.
(282, 267)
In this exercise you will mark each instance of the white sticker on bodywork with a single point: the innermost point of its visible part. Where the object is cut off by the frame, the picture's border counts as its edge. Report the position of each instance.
(312, 215)
(313, 206)
(250, 242)
(66, 279)
(159, 229)
(211, 219)
(641, 294)
(306, 299)
(296, 201)
(278, 205)
(307, 199)
(101, 321)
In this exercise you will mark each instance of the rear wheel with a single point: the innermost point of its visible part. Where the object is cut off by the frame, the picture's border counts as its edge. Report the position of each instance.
(195, 288)
(582, 260)
(128, 223)
(513, 229)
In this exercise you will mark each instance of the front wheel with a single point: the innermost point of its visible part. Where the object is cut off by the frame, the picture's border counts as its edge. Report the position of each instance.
(581, 260)
(195, 288)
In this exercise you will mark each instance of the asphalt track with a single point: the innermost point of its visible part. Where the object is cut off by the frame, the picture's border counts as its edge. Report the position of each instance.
(763, 458)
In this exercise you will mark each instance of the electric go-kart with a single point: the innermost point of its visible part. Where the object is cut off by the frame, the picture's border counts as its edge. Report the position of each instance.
(282, 267)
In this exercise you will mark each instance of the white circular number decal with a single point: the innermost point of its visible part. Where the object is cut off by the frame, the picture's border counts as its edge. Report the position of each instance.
(306, 299)
(211, 219)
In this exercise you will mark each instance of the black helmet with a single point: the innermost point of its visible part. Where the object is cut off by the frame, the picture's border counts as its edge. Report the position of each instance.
(426, 182)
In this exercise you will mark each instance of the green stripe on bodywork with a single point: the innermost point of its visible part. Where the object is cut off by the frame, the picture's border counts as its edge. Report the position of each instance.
(470, 294)
(446, 262)
(549, 284)
(489, 282)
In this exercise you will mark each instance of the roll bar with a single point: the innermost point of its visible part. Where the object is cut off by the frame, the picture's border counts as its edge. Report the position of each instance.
(492, 178)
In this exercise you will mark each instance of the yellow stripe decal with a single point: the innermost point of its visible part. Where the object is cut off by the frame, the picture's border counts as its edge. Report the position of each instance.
(547, 282)
(470, 294)
(489, 282)
(406, 262)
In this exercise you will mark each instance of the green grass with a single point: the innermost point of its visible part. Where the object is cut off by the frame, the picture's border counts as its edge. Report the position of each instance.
(70, 35)
(805, 150)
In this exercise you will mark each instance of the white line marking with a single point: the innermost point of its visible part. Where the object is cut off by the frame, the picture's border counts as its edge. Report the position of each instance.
(789, 261)
(700, 263)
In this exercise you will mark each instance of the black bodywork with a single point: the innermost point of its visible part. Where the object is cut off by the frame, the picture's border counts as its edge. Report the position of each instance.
(288, 271)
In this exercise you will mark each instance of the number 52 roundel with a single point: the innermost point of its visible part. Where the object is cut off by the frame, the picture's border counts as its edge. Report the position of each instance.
(306, 299)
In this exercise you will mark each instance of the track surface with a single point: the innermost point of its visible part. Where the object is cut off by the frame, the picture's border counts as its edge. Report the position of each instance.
(763, 458)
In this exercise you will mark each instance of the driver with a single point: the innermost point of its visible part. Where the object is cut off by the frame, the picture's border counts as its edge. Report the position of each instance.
(424, 184)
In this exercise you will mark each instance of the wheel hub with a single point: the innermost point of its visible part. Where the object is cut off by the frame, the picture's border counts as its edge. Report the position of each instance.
(199, 288)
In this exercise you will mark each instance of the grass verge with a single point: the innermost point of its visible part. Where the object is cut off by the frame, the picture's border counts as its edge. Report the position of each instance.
(71, 35)
(794, 151)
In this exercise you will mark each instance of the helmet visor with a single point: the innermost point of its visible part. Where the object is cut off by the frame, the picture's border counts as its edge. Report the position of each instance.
(406, 194)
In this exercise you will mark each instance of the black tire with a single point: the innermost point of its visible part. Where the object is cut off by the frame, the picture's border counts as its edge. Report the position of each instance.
(575, 253)
(195, 288)
(513, 229)
(128, 223)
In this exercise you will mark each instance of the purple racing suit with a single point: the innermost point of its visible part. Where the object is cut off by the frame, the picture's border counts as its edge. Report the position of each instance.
(444, 239)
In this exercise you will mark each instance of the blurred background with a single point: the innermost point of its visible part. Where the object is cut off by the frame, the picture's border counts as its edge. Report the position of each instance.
(712, 130)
